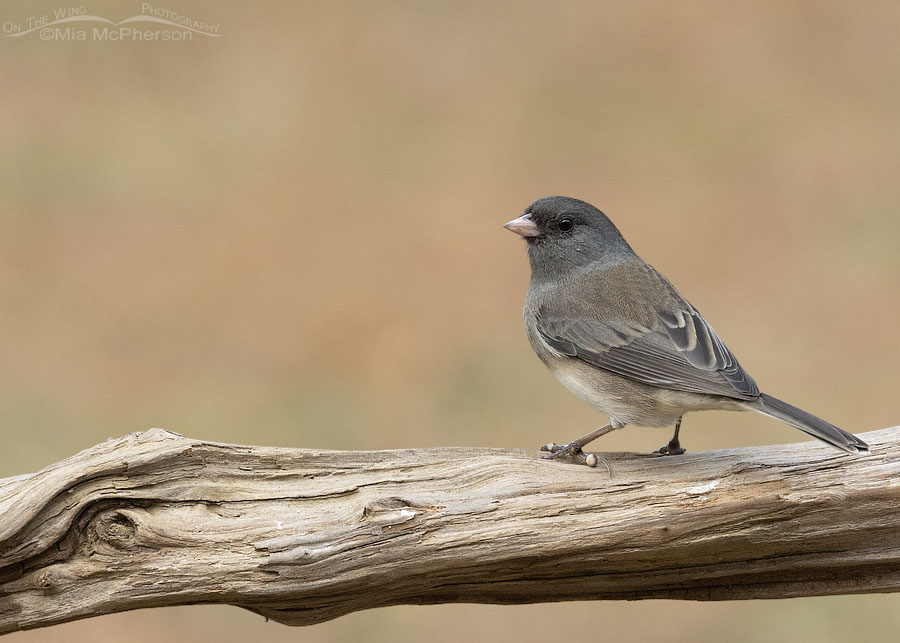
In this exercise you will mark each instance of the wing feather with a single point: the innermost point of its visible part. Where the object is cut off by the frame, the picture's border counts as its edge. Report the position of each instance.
(678, 350)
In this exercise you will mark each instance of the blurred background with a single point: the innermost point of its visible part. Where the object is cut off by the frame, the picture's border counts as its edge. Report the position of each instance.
(291, 235)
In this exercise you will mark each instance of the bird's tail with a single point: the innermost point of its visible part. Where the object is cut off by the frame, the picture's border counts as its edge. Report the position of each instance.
(810, 424)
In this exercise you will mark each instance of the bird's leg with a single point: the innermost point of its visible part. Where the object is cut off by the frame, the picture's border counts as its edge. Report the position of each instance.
(674, 446)
(573, 448)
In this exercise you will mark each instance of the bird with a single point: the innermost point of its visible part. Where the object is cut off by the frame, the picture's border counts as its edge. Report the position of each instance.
(619, 335)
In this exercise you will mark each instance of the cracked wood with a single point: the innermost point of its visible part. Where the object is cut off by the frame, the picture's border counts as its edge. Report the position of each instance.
(301, 536)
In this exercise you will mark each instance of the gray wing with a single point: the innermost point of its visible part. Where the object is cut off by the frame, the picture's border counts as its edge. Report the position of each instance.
(677, 351)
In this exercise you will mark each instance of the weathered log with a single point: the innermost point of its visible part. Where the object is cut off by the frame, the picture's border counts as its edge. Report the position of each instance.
(302, 536)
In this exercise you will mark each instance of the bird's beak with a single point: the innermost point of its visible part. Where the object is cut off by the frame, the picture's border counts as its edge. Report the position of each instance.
(523, 226)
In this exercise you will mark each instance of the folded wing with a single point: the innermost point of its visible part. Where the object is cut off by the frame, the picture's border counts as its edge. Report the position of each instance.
(675, 350)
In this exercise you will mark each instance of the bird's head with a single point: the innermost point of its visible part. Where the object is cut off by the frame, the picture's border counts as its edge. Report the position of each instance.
(564, 233)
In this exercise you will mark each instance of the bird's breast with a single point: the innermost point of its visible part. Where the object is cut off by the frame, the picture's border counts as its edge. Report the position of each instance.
(604, 391)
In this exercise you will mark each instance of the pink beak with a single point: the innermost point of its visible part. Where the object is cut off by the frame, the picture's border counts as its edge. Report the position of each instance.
(523, 226)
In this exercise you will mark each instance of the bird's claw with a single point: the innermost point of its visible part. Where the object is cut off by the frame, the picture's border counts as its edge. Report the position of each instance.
(570, 450)
(574, 451)
(670, 449)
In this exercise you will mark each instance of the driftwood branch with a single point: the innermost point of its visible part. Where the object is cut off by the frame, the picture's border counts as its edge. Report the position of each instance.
(302, 536)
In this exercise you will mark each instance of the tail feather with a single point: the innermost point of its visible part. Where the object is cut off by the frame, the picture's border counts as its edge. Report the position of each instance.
(809, 423)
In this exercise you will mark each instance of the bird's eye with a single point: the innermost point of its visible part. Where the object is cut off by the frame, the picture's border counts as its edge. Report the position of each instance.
(566, 224)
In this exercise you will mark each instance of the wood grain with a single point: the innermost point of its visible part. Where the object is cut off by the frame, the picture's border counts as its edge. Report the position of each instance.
(301, 536)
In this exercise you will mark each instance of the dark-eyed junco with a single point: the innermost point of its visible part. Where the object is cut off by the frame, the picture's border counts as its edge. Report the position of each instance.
(619, 335)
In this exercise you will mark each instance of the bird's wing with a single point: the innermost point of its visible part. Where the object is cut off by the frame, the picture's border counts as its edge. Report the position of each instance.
(674, 350)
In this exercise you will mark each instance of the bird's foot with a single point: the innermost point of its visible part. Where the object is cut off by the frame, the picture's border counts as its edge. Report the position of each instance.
(672, 448)
(571, 450)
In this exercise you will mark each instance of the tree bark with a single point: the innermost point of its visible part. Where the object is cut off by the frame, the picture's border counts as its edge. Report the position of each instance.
(301, 536)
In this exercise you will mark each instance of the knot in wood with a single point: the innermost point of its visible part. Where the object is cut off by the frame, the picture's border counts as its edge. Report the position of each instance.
(391, 511)
(47, 581)
(116, 529)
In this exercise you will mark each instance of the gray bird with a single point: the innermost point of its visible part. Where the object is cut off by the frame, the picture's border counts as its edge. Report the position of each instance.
(618, 335)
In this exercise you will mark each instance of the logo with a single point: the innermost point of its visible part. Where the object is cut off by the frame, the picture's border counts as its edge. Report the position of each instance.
(153, 23)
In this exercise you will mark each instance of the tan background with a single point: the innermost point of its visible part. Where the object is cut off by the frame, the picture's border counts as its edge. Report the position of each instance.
(290, 235)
